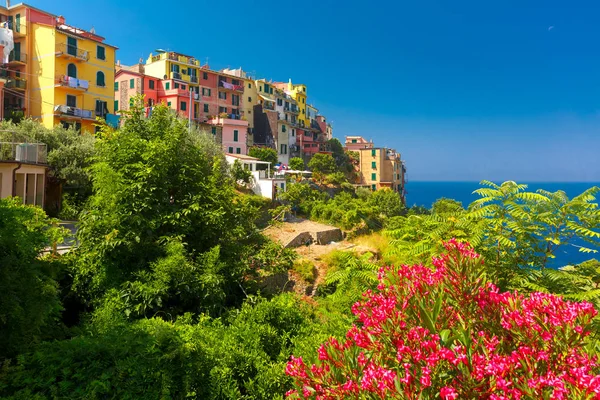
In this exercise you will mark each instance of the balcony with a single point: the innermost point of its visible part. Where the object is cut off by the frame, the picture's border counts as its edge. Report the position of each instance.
(17, 58)
(67, 51)
(175, 75)
(268, 106)
(19, 31)
(68, 82)
(230, 86)
(182, 59)
(193, 79)
(32, 153)
(73, 112)
(293, 110)
(18, 84)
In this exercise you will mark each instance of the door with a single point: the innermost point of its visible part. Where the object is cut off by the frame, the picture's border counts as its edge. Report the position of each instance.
(71, 46)
(17, 51)
(18, 23)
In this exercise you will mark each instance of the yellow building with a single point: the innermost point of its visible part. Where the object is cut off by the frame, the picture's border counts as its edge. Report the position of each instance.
(381, 167)
(56, 73)
(298, 93)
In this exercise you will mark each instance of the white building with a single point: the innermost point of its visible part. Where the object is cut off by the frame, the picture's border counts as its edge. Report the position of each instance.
(264, 182)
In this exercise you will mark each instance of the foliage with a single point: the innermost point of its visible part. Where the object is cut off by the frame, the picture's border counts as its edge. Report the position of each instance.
(336, 178)
(29, 303)
(448, 332)
(343, 160)
(300, 195)
(264, 154)
(306, 269)
(272, 258)
(350, 274)
(296, 163)
(162, 197)
(446, 206)
(513, 229)
(322, 163)
(239, 173)
(387, 202)
(241, 356)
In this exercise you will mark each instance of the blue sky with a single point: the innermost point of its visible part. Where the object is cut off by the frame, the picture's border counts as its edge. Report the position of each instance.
(465, 90)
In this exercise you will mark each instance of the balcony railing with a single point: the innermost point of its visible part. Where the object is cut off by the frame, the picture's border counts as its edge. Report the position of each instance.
(17, 57)
(73, 83)
(193, 79)
(18, 30)
(73, 112)
(291, 109)
(16, 84)
(175, 75)
(67, 50)
(34, 153)
(230, 86)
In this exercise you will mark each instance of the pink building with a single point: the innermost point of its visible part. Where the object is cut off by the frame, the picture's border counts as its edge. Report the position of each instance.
(130, 82)
(234, 134)
(357, 143)
(306, 139)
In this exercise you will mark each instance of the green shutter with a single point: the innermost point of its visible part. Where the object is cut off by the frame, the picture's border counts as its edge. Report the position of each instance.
(214, 128)
(283, 128)
(116, 105)
(168, 104)
(116, 86)
(176, 85)
(373, 152)
(183, 106)
(167, 85)
(231, 150)
(131, 83)
(373, 187)
(354, 140)
(373, 177)
(374, 164)
(206, 108)
(238, 150)
(100, 53)
(235, 136)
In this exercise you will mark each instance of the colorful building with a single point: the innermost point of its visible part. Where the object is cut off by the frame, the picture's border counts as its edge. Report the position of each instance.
(357, 143)
(234, 134)
(56, 73)
(381, 167)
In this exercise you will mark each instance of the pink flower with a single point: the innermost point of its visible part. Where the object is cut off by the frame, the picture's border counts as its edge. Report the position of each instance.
(448, 393)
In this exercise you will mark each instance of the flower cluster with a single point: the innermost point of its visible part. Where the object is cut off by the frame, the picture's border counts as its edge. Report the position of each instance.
(447, 333)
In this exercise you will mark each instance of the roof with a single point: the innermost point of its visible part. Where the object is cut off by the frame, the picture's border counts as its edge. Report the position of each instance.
(244, 157)
(27, 5)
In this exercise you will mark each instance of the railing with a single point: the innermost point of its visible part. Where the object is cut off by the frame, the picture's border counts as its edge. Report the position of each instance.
(35, 153)
(18, 30)
(17, 57)
(268, 106)
(175, 75)
(231, 86)
(74, 83)
(73, 111)
(16, 84)
(68, 50)
(182, 59)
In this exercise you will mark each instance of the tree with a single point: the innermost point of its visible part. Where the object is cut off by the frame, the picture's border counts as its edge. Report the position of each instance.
(296, 163)
(446, 206)
(322, 163)
(165, 231)
(29, 301)
(264, 154)
(387, 202)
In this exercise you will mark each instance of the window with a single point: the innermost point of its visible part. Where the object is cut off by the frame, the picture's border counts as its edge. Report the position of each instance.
(373, 152)
(206, 92)
(374, 164)
(176, 85)
(266, 88)
(206, 108)
(223, 110)
(71, 101)
(116, 105)
(214, 129)
(373, 176)
(101, 108)
(230, 150)
(283, 128)
(72, 46)
(249, 86)
(72, 70)
(373, 187)
(260, 88)
(279, 102)
(100, 53)
(204, 75)
(271, 90)
(151, 84)
(131, 83)
(235, 136)
(249, 99)
(283, 149)
(100, 79)
(354, 140)
(116, 86)
(167, 85)
(182, 87)
(183, 106)
(293, 132)
(168, 104)
(238, 150)
(223, 95)
(235, 99)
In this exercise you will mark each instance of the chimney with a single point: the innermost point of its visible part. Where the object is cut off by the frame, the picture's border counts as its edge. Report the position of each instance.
(60, 20)
(7, 3)
(119, 63)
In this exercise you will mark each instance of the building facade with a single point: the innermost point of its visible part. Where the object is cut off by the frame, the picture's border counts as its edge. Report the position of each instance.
(56, 73)
(357, 143)
(381, 167)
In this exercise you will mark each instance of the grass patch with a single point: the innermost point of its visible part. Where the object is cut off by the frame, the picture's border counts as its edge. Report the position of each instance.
(306, 269)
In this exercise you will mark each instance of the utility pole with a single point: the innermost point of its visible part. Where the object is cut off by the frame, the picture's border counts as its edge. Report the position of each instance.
(191, 106)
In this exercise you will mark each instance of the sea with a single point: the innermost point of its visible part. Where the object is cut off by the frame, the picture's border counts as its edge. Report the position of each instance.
(423, 193)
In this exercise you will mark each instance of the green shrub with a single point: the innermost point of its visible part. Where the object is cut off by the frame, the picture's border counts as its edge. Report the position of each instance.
(306, 269)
